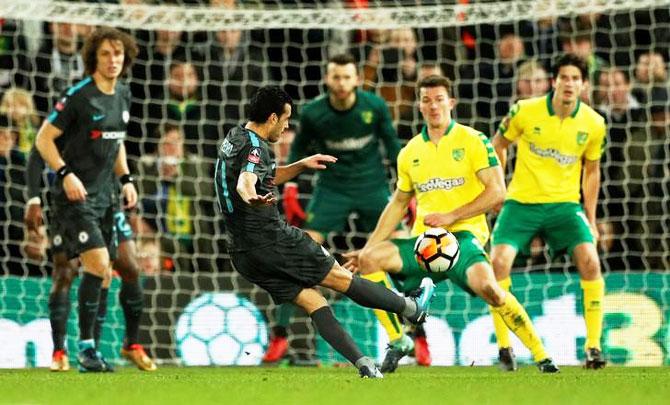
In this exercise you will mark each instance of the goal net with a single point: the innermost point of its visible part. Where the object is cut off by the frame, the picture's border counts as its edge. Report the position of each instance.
(197, 67)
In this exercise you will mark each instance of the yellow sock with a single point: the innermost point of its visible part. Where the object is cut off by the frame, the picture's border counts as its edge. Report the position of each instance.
(389, 320)
(519, 322)
(502, 332)
(594, 293)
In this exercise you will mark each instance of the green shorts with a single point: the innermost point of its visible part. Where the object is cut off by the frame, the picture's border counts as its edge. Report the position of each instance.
(329, 209)
(411, 274)
(561, 225)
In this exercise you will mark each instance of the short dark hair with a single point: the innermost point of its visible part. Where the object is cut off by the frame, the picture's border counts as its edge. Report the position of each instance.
(267, 100)
(342, 59)
(435, 81)
(93, 42)
(570, 59)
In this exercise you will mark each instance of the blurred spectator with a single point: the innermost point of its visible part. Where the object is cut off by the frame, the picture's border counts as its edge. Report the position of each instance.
(234, 72)
(12, 201)
(176, 200)
(14, 64)
(541, 36)
(58, 66)
(646, 175)
(532, 80)
(149, 73)
(390, 63)
(495, 87)
(180, 103)
(650, 71)
(625, 123)
(149, 257)
(623, 114)
(581, 45)
(17, 104)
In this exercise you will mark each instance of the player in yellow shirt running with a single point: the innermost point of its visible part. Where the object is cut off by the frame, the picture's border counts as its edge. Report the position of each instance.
(559, 143)
(454, 173)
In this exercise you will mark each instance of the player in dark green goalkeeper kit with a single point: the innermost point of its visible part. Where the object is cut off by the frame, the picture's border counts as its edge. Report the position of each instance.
(351, 125)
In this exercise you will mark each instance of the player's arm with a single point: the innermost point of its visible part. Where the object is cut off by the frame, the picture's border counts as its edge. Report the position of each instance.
(34, 168)
(500, 144)
(123, 173)
(393, 213)
(46, 146)
(493, 194)
(317, 162)
(508, 132)
(590, 187)
(246, 188)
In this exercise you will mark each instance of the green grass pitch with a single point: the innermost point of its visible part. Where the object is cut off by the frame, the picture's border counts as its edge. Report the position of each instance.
(320, 386)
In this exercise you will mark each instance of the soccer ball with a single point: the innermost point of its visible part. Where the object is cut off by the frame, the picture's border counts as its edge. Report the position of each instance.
(221, 329)
(437, 250)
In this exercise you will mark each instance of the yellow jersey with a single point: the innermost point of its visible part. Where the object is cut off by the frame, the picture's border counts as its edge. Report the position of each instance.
(550, 152)
(444, 176)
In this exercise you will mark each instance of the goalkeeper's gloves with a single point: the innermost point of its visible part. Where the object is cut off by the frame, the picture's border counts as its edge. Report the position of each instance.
(293, 212)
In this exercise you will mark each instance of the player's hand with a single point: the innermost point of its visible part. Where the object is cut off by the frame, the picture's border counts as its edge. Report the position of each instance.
(74, 188)
(318, 161)
(293, 212)
(262, 200)
(129, 195)
(352, 260)
(33, 218)
(439, 220)
(34, 246)
(496, 208)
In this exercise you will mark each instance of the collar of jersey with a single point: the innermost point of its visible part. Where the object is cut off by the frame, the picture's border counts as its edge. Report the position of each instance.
(424, 130)
(254, 132)
(550, 107)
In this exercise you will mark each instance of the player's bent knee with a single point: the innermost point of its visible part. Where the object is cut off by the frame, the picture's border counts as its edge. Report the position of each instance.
(380, 257)
(587, 261)
(501, 261)
(338, 279)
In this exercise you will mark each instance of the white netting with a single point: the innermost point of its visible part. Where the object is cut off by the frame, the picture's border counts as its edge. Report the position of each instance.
(195, 70)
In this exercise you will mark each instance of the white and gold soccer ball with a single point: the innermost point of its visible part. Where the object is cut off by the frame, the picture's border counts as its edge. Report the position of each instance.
(437, 250)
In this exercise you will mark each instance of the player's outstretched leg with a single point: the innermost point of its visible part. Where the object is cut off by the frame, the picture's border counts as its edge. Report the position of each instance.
(372, 295)
(330, 329)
